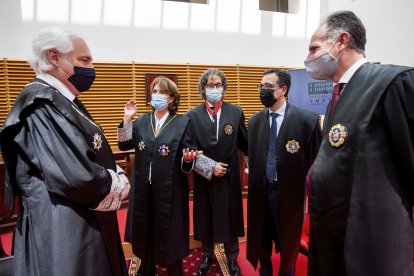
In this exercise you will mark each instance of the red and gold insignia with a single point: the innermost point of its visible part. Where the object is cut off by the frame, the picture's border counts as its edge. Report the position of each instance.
(228, 129)
(141, 145)
(337, 135)
(164, 150)
(292, 146)
(97, 141)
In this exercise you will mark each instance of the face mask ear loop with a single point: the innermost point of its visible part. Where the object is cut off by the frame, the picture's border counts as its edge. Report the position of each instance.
(61, 68)
(329, 52)
(279, 97)
(63, 72)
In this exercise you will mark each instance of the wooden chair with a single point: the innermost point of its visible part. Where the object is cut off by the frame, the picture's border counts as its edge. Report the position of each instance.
(134, 261)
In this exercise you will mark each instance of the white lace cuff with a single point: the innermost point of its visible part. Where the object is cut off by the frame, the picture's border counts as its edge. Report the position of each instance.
(119, 191)
(204, 166)
(125, 132)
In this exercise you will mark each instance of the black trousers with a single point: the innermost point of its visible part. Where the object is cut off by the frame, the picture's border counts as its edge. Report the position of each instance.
(271, 232)
(231, 249)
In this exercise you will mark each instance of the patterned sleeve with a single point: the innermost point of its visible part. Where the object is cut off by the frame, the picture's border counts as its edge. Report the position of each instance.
(119, 191)
(204, 166)
(125, 132)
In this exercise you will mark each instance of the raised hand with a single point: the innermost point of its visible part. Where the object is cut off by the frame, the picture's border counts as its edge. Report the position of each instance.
(130, 110)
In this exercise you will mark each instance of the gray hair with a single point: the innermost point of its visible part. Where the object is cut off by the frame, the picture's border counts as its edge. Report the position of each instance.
(50, 38)
(204, 79)
(347, 21)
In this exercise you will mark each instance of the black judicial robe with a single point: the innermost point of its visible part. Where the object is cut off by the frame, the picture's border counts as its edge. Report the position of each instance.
(226, 216)
(362, 191)
(57, 163)
(299, 126)
(159, 211)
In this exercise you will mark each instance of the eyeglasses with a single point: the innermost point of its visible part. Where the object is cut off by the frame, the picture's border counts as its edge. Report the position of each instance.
(267, 86)
(212, 85)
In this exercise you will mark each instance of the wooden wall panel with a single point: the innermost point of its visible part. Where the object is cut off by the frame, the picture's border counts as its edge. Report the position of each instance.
(117, 82)
(113, 86)
(249, 78)
(3, 92)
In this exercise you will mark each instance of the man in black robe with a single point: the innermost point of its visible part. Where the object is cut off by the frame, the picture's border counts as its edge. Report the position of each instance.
(61, 167)
(362, 193)
(276, 198)
(218, 130)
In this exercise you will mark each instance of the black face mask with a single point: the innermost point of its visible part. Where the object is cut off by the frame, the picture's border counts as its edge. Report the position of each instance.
(266, 97)
(82, 78)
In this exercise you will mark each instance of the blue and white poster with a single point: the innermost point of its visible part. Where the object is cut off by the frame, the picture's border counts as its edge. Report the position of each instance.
(308, 93)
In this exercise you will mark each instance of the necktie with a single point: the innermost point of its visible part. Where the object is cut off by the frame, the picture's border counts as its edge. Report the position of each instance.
(271, 153)
(335, 96)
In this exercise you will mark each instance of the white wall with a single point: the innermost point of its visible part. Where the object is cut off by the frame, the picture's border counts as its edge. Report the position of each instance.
(284, 43)
(389, 25)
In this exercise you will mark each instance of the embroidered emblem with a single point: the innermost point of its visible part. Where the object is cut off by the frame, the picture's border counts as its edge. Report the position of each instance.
(97, 141)
(228, 129)
(163, 150)
(292, 146)
(141, 145)
(337, 135)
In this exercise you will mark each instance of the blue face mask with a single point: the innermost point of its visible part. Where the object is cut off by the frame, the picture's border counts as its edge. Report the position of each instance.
(159, 102)
(214, 95)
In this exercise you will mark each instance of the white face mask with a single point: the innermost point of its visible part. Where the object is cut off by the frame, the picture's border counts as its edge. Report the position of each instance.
(322, 67)
(159, 102)
(214, 95)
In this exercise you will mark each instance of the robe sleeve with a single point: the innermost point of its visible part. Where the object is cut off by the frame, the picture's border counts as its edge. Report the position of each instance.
(314, 145)
(315, 141)
(242, 136)
(187, 142)
(126, 139)
(399, 117)
(204, 166)
(119, 190)
(61, 158)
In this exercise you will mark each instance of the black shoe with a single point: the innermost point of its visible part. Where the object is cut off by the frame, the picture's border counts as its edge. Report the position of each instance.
(234, 268)
(204, 266)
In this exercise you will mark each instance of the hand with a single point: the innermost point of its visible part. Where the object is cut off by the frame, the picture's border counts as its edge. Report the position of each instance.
(220, 169)
(130, 110)
(189, 155)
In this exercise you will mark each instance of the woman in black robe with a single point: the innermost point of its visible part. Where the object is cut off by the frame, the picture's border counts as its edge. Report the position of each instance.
(158, 222)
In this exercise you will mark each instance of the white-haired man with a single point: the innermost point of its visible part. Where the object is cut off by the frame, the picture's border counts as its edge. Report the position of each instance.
(61, 167)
